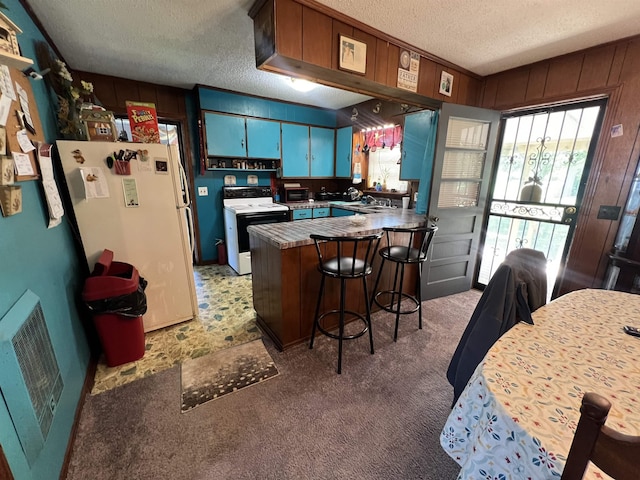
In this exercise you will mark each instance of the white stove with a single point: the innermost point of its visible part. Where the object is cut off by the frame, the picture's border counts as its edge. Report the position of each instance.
(245, 206)
(240, 208)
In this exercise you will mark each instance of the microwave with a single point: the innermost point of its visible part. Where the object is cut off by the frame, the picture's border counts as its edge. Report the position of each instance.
(296, 194)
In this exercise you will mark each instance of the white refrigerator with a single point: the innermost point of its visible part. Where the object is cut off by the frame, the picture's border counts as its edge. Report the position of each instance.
(140, 209)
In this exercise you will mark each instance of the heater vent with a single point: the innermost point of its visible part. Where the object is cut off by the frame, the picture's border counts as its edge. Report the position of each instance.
(30, 379)
(39, 367)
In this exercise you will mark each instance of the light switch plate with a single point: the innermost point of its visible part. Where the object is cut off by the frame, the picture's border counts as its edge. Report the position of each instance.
(609, 212)
(203, 191)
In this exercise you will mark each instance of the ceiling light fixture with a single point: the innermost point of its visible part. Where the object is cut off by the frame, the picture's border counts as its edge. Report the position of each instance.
(302, 85)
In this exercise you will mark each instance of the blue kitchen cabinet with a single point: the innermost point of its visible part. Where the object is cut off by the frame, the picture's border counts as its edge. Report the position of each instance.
(344, 138)
(263, 138)
(302, 213)
(341, 212)
(226, 135)
(321, 212)
(307, 151)
(322, 148)
(295, 150)
(414, 144)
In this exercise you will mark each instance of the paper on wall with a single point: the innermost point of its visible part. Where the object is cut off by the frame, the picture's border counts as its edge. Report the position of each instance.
(6, 87)
(24, 105)
(95, 182)
(5, 109)
(24, 141)
(54, 203)
(22, 163)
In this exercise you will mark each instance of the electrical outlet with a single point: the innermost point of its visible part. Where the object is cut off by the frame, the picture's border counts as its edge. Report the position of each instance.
(608, 212)
(203, 191)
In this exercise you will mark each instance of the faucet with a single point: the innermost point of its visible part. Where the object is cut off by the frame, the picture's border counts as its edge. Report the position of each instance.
(354, 193)
(369, 200)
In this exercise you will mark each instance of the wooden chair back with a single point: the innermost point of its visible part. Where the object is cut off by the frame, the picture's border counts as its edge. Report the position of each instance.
(616, 454)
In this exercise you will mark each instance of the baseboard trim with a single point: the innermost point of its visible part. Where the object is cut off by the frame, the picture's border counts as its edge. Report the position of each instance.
(5, 471)
(87, 386)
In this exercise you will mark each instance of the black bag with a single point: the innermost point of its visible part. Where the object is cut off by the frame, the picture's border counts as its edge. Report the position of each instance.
(131, 305)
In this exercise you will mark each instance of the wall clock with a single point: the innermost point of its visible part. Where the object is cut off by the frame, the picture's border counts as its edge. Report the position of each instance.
(405, 59)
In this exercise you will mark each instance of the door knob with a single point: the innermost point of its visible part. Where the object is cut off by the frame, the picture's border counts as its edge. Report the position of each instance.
(434, 219)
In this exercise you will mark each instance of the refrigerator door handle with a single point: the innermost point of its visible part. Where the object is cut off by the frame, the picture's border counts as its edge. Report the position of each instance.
(192, 240)
(187, 197)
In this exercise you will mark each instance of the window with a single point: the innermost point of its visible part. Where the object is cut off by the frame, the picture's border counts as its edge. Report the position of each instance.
(384, 153)
(169, 132)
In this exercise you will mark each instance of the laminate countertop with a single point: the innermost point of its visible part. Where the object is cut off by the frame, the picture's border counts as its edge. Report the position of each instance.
(285, 235)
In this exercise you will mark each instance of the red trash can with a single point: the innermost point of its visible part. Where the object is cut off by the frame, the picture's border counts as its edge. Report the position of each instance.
(114, 293)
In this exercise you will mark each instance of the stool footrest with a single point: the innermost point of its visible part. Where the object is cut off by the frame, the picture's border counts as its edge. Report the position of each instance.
(345, 337)
(390, 308)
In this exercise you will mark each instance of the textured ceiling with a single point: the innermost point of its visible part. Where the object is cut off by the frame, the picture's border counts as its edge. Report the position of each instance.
(187, 42)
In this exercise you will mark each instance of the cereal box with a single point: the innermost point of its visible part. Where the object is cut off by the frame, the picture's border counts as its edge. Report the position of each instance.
(144, 122)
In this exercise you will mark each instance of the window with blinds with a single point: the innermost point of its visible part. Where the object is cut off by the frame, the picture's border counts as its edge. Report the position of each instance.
(465, 152)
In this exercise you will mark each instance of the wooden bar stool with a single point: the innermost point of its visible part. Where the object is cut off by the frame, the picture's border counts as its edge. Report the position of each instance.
(352, 261)
(414, 251)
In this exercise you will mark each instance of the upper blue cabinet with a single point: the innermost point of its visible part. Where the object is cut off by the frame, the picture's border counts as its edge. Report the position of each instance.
(295, 150)
(235, 136)
(344, 148)
(414, 144)
(226, 135)
(322, 148)
(263, 138)
(307, 151)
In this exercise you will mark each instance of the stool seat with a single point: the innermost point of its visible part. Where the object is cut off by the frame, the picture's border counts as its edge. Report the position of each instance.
(345, 267)
(397, 253)
(413, 252)
(352, 260)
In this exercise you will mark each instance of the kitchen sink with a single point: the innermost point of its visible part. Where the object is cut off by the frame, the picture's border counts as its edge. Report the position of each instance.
(377, 208)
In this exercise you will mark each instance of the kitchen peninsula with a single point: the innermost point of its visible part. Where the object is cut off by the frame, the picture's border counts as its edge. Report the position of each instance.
(285, 276)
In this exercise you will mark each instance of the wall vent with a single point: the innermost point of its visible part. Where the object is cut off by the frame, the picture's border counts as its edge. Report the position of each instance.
(30, 378)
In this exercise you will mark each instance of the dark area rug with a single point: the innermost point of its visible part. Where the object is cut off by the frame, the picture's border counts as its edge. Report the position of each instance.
(226, 371)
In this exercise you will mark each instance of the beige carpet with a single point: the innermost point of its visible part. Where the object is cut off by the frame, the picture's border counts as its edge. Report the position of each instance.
(227, 371)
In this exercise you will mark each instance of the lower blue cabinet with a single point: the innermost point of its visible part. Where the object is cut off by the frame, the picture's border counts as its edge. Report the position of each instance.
(341, 212)
(321, 212)
(302, 213)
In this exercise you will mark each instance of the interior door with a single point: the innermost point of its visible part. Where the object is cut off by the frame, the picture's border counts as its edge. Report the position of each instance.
(465, 148)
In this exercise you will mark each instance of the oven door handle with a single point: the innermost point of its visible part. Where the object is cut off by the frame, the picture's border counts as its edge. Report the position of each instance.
(259, 215)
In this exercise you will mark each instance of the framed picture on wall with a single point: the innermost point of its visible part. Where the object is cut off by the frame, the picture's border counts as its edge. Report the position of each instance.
(353, 55)
(446, 84)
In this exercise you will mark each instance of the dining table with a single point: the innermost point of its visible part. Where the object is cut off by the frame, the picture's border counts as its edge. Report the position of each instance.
(517, 416)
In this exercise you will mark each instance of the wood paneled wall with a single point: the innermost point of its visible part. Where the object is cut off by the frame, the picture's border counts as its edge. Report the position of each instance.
(611, 70)
(306, 35)
(113, 92)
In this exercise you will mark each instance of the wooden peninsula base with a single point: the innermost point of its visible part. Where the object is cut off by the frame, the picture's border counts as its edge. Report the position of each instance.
(286, 280)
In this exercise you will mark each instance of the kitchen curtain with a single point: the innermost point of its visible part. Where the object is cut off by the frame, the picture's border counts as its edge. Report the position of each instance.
(427, 166)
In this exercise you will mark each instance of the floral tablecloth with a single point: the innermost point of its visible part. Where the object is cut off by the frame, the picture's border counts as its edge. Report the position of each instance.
(517, 416)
